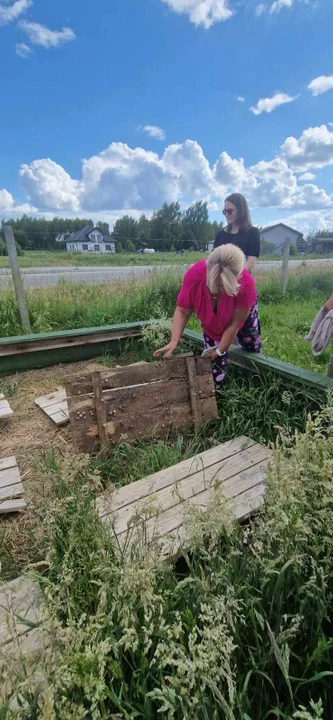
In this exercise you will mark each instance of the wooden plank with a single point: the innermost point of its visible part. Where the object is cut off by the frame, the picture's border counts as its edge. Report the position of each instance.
(90, 336)
(53, 398)
(141, 398)
(20, 600)
(11, 506)
(55, 406)
(9, 477)
(141, 489)
(11, 491)
(169, 521)
(8, 462)
(158, 423)
(100, 406)
(194, 392)
(227, 474)
(127, 377)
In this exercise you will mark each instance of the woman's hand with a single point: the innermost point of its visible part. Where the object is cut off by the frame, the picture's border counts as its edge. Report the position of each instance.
(167, 350)
(211, 353)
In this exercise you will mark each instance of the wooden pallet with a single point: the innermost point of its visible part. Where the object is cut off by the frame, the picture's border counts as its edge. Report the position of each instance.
(11, 488)
(55, 406)
(156, 507)
(136, 402)
(22, 643)
(5, 409)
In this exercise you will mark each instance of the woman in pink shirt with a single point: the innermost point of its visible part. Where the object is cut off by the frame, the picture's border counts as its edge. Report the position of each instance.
(221, 292)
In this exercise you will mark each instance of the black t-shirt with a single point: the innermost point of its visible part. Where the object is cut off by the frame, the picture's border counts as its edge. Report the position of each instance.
(246, 240)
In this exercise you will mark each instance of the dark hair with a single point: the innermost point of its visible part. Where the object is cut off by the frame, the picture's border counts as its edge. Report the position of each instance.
(243, 212)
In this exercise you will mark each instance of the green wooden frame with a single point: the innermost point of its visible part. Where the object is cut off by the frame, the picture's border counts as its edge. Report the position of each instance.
(29, 352)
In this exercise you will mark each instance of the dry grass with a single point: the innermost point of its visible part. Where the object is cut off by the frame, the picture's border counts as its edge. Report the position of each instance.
(32, 437)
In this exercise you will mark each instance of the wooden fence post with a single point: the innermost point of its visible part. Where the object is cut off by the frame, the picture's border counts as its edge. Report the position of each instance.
(285, 261)
(17, 280)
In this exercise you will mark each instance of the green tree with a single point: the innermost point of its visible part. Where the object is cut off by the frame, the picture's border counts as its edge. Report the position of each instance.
(143, 229)
(125, 231)
(103, 227)
(195, 224)
(166, 227)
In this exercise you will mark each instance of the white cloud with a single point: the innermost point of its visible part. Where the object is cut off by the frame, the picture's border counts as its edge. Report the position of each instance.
(6, 200)
(43, 36)
(260, 9)
(188, 164)
(154, 132)
(309, 220)
(202, 12)
(8, 13)
(321, 84)
(269, 104)
(314, 149)
(310, 197)
(307, 176)
(23, 50)
(49, 186)
(240, 99)
(279, 4)
(135, 180)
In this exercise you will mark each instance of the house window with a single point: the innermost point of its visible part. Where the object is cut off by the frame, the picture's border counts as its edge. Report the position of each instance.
(84, 246)
(97, 248)
(108, 248)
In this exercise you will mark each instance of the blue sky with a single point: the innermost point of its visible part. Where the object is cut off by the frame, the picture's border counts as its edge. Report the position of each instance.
(119, 105)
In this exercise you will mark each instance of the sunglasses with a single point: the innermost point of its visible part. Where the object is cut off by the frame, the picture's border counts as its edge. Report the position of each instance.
(228, 212)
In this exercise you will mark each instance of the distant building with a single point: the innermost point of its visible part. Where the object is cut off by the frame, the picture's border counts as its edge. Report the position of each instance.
(280, 232)
(90, 240)
(322, 245)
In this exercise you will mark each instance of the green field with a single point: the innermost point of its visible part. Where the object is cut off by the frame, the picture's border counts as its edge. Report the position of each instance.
(46, 258)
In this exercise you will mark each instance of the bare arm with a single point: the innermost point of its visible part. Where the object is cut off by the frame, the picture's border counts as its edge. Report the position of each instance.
(227, 338)
(179, 322)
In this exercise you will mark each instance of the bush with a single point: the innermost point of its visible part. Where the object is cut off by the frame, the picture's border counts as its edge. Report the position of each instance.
(3, 248)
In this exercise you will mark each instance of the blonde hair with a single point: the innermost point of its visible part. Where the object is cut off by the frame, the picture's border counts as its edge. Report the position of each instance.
(224, 266)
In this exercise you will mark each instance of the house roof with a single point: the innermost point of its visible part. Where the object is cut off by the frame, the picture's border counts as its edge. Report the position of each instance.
(281, 224)
(82, 235)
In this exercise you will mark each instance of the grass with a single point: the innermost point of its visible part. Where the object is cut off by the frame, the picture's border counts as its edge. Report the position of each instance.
(49, 258)
(240, 628)
(285, 321)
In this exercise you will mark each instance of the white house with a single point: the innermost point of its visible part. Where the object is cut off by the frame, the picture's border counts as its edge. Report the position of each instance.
(280, 232)
(90, 240)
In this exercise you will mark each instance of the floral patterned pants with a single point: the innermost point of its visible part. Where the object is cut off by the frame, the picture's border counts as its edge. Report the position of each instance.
(249, 340)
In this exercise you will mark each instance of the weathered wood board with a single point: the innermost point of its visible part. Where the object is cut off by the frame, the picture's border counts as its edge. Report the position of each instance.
(22, 643)
(5, 409)
(11, 488)
(156, 507)
(138, 401)
(55, 406)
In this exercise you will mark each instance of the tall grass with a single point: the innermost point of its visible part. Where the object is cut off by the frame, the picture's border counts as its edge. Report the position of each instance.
(240, 628)
(284, 321)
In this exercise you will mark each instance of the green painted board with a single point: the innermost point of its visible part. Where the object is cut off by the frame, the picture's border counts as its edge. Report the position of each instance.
(260, 363)
(39, 358)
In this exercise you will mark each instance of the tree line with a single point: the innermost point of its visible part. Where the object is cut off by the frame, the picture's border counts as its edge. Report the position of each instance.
(169, 228)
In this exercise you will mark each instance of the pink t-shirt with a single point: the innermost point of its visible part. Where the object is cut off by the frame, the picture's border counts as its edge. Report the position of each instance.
(194, 294)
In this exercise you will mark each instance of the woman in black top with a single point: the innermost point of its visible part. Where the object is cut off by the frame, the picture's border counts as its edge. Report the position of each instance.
(240, 232)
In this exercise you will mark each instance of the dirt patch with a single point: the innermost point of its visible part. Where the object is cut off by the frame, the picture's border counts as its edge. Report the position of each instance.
(34, 440)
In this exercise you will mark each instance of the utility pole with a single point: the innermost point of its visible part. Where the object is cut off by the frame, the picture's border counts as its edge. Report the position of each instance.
(17, 280)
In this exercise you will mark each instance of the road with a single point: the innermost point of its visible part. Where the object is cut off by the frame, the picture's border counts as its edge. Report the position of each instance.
(45, 277)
